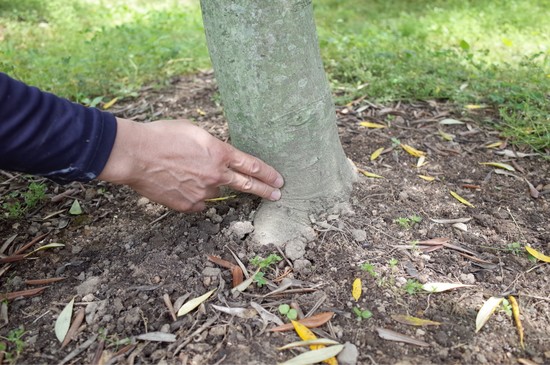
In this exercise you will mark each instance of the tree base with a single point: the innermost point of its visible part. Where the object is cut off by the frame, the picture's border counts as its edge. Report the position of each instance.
(277, 223)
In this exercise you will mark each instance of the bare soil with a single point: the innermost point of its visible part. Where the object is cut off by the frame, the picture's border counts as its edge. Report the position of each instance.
(124, 253)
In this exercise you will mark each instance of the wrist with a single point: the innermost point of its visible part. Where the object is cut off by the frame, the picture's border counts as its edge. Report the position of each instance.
(122, 163)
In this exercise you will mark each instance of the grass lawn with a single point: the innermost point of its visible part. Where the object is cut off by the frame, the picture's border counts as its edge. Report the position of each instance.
(478, 52)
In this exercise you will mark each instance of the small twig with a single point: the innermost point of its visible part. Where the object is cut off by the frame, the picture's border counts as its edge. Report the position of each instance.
(78, 350)
(168, 303)
(516, 223)
(35, 240)
(160, 218)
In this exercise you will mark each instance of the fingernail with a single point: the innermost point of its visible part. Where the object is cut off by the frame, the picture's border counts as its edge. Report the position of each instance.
(275, 195)
(279, 182)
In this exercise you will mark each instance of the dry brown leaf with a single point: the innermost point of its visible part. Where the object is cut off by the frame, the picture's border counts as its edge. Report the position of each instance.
(314, 321)
(74, 327)
(22, 293)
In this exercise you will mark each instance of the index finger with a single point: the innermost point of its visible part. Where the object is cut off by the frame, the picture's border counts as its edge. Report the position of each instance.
(252, 166)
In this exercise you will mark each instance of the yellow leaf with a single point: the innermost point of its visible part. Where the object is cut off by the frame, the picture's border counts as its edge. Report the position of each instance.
(370, 174)
(414, 321)
(515, 312)
(427, 178)
(475, 106)
(537, 254)
(412, 151)
(507, 42)
(461, 199)
(487, 311)
(499, 165)
(494, 145)
(446, 136)
(201, 112)
(356, 289)
(376, 154)
(372, 125)
(110, 103)
(303, 332)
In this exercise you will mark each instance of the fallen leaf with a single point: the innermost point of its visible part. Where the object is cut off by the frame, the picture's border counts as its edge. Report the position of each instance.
(245, 313)
(372, 125)
(267, 316)
(370, 174)
(194, 303)
(475, 106)
(221, 198)
(532, 190)
(43, 281)
(237, 275)
(523, 361)
(168, 303)
(421, 161)
(461, 199)
(219, 261)
(451, 221)
(110, 103)
(45, 247)
(356, 289)
(315, 356)
(376, 154)
(427, 178)
(314, 321)
(303, 332)
(71, 333)
(318, 341)
(450, 121)
(487, 311)
(63, 321)
(157, 337)
(414, 321)
(201, 112)
(245, 284)
(398, 337)
(441, 287)
(517, 319)
(461, 227)
(412, 151)
(510, 153)
(494, 145)
(499, 165)
(22, 293)
(537, 254)
(76, 209)
(446, 136)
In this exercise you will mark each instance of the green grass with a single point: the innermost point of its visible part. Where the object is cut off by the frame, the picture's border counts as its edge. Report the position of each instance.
(483, 52)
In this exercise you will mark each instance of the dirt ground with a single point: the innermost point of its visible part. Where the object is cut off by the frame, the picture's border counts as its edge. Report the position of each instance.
(124, 254)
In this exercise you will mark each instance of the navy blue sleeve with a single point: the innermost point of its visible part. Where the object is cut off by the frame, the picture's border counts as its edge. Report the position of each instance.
(42, 134)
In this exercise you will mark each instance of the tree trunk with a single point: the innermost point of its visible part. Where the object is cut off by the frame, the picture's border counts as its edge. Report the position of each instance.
(279, 107)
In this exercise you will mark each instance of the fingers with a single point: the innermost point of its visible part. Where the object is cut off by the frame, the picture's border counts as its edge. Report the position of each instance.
(249, 184)
(249, 165)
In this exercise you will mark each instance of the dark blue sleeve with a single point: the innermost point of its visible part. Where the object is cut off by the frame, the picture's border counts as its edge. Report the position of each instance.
(42, 134)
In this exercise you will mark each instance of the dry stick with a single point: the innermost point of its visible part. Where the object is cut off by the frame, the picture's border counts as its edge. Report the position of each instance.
(43, 281)
(516, 223)
(78, 350)
(168, 303)
(98, 353)
(198, 331)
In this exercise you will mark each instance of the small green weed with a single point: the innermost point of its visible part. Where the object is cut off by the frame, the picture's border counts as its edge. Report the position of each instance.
(506, 307)
(412, 287)
(515, 247)
(362, 313)
(369, 268)
(290, 313)
(262, 263)
(408, 222)
(21, 202)
(393, 263)
(15, 345)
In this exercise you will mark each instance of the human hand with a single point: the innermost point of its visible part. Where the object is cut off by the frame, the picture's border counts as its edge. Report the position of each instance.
(179, 165)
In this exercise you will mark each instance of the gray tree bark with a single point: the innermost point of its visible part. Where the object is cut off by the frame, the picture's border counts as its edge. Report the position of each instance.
(279, 107)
